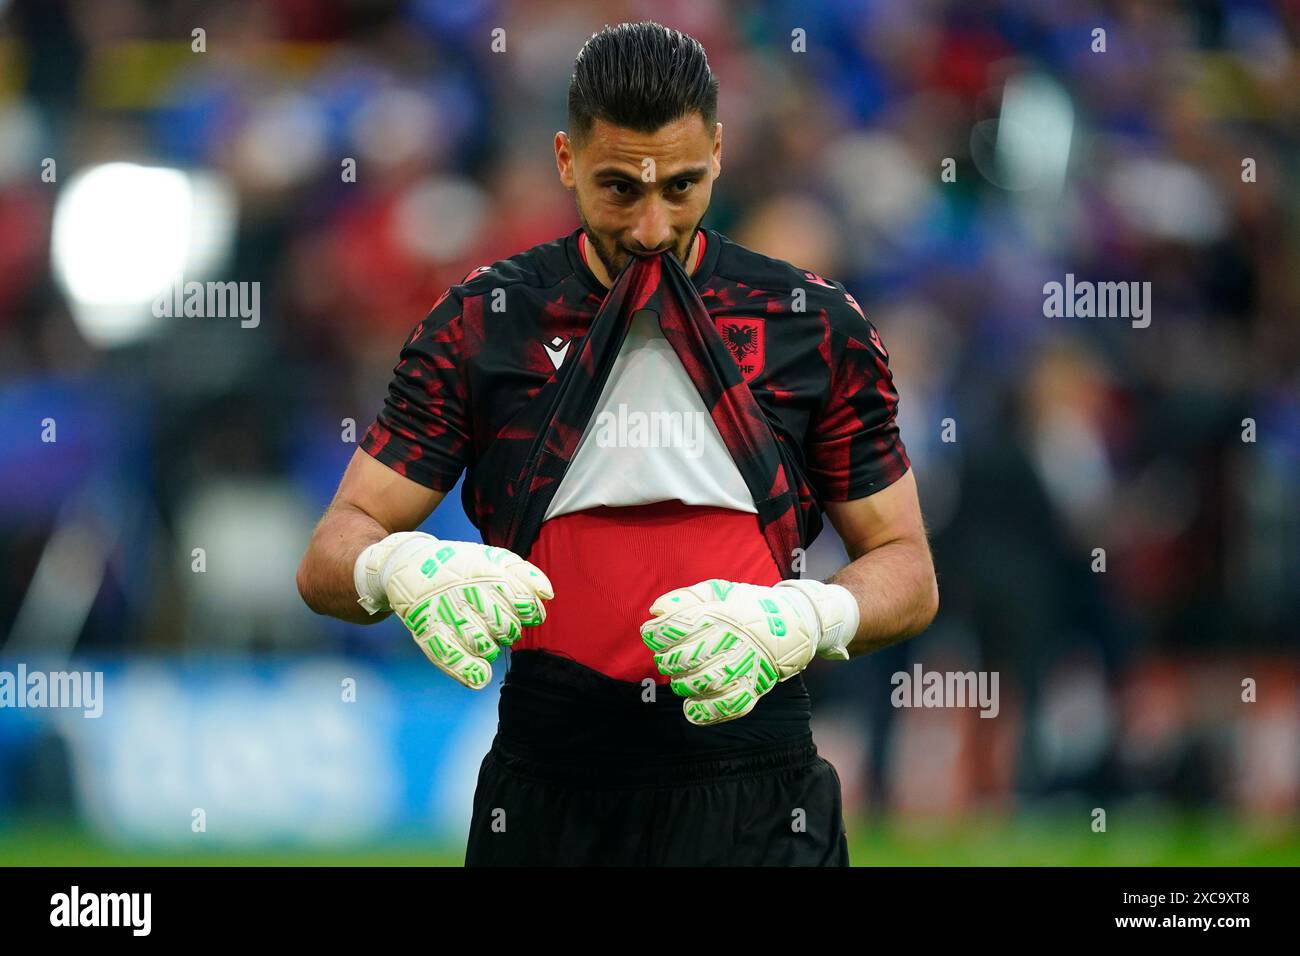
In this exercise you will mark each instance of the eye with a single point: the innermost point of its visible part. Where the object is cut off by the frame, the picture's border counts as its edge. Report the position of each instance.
(617, 186)
(683, 186)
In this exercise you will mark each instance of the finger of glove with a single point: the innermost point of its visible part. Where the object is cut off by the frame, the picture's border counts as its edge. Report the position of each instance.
(673, 630)
(499, 613)
(528, 605)
(707, 711)
(450, 656)
(475, 581)
(697, 648)
(774, 627)
(740, 664)
(531, 579)
(502, 562)
(530, 589)
(669, 630)
(491, 606)
(455, 608)
(458, 622)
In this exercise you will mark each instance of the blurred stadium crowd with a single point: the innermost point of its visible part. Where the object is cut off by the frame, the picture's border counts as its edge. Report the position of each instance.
(1066, 435)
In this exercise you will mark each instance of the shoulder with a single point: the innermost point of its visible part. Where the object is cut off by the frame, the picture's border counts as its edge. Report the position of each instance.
(542, 266)
(777, 280)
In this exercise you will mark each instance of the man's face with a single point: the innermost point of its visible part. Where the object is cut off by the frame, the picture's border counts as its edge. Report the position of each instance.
(641, 193)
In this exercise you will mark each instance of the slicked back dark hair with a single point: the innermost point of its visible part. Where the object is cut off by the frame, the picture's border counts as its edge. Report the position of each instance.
(640, 76)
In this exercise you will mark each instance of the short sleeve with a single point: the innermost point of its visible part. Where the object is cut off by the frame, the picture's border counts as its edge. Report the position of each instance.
(854, 447)
(422, 432)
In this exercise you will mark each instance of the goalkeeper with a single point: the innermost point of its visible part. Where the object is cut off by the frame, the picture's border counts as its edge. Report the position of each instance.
(652, 421)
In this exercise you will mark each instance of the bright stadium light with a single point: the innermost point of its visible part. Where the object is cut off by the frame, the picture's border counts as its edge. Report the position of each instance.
(122, 234)
(1035, 128)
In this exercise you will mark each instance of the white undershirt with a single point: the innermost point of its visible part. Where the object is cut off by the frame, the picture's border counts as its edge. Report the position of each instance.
(650, 438)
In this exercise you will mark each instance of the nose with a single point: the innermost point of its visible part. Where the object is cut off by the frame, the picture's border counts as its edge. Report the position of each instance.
(653, 231)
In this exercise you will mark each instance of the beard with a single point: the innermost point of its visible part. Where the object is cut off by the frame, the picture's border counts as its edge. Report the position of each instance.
(613, 257)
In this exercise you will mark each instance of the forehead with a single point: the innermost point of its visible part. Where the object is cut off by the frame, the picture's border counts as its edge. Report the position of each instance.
(682, 140)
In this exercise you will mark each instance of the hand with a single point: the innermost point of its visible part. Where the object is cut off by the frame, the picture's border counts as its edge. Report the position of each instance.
(726, 644)
(462, 602)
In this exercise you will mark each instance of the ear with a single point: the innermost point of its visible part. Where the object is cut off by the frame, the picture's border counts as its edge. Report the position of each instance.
(564, 160)
(717, 150)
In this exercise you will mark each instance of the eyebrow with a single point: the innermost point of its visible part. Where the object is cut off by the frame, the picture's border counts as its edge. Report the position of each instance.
(619, 173)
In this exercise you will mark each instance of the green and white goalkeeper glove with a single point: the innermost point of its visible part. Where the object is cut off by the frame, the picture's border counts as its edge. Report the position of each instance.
(726, 644)
(462, 602)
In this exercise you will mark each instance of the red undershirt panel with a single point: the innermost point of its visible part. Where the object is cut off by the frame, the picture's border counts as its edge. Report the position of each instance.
(608, 565)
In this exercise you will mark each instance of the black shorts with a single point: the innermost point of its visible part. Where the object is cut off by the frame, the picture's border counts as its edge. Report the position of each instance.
(584, 772)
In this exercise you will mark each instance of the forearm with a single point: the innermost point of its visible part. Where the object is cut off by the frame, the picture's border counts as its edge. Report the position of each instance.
(897, 595)
(325, 576)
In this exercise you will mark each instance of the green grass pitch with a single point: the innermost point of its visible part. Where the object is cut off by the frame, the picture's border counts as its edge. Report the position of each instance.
(1050, 841)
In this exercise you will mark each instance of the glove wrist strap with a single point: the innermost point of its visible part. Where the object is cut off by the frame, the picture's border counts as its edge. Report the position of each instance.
(837, 615)
(368, 572)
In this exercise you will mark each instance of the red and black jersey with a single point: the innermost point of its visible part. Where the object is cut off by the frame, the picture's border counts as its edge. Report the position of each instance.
(502, 376)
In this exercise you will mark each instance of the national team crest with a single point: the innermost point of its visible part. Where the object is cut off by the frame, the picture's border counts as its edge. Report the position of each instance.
(744, 340)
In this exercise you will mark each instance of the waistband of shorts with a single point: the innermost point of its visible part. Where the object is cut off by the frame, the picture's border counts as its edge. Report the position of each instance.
(552, 705)
(617, 772)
